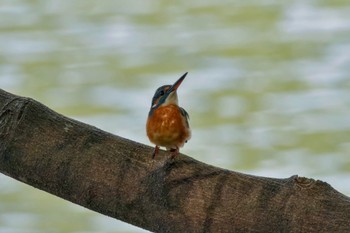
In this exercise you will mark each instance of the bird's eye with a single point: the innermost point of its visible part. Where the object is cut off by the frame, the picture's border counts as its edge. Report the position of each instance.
(161, 93)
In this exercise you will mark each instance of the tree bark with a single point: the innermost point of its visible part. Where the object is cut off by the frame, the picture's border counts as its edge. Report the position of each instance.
(117, 177)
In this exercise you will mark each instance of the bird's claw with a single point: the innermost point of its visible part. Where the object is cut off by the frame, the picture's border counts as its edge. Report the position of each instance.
(155, 152)
(174, 152)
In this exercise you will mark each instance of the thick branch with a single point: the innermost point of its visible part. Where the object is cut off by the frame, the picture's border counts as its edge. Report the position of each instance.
(118, 178)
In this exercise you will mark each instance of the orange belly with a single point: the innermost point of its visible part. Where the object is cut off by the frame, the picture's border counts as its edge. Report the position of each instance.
(167, 127)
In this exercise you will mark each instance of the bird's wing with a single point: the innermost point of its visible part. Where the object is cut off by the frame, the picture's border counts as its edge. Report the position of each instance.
(185, 114)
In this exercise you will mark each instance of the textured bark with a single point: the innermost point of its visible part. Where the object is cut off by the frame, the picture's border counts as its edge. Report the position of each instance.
(117, 177)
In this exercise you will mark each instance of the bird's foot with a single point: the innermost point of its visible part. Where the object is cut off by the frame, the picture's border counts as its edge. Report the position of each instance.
(174, 152)
(155, 152)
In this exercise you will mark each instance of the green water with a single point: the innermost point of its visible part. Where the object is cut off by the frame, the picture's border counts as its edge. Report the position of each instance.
(267, 91)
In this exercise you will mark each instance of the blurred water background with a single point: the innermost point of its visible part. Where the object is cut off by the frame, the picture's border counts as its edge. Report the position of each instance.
(268, 90)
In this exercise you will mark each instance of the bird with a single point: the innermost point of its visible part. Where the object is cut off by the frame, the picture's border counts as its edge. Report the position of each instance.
(168, 123)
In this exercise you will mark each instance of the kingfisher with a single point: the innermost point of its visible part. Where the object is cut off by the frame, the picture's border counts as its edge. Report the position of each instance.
(167, 123)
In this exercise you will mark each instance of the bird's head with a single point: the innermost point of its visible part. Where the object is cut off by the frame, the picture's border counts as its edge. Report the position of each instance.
(166, 94)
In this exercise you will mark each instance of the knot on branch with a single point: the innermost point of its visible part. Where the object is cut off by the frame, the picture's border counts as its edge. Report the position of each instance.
(304, 182)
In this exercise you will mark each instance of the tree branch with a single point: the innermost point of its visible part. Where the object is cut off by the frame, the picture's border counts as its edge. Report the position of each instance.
(118, 178)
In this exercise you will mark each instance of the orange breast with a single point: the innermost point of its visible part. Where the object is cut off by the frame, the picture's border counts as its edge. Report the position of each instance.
(167, 127)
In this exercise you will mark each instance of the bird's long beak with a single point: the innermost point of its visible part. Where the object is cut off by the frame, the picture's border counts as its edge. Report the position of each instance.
(170, 95)
(177, 84)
